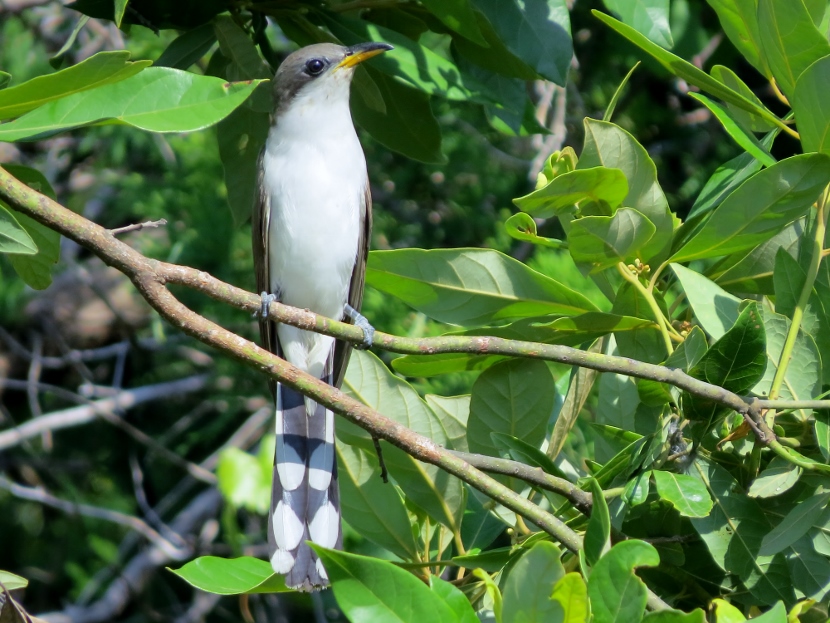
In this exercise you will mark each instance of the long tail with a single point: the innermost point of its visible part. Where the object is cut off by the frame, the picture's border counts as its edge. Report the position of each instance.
(305, 500)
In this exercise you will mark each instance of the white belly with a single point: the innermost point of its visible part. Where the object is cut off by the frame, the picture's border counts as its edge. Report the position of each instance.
(316, 192)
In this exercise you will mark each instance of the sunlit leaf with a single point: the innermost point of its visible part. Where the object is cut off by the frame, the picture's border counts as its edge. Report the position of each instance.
(231, 576)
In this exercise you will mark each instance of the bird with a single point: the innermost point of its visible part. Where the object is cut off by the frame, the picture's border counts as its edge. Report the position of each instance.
(311, 227)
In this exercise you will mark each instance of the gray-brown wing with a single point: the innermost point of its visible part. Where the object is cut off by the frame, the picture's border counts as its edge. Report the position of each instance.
(259, 233)
(343, 350)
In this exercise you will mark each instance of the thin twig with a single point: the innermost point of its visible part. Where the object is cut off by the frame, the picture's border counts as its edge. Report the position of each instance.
(138, 226)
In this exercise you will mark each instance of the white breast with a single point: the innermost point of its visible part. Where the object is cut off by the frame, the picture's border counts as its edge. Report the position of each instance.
(315, 176)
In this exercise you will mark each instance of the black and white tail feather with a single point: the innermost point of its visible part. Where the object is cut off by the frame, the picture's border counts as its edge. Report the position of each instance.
(305, 500)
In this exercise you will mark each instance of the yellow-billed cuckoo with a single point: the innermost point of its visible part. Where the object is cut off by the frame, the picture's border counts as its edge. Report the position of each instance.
(311, 226)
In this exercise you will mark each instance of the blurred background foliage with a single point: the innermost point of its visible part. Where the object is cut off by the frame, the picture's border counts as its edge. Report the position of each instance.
(116, 176)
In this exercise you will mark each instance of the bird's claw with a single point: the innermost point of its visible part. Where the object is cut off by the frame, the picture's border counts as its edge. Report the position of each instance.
(361, 321)
(267, 299)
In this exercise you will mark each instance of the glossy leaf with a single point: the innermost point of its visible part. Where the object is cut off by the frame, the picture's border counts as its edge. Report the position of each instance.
(407, 125)
(375, 590)
(535, 31)
(610, 146)
(572, 594)
(743, 137)
(491, 561)
(187, 48)
(687, 494)
(159, 99)
(13, 237)
(603, 241)
(790, 40)
(96, 71)
(11, 582)
(726, 612)
(720, 185)
(715, 309)
(617, 594)
(453, 412)
(809, 105)
(516, 398)
(650, 17)
(684, 69)
(232, 576)
(739, 21)
(433, 490)
(746, 119)
(454, 598)
(373, 508)
(527, 590)
(598, 533)
(760, 207)
(521, 451)
(35, 269)
(684, 357)
(522, 227)
(493, 55)
(458, 15)
(598, 184)
(778, 477)
(470, 286)
(733, 532)
(795, 524)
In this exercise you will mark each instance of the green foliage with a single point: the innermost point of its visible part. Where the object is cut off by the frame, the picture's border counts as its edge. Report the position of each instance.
(734, 292)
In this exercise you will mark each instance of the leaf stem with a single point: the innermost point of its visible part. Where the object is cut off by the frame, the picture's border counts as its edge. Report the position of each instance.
(803, 299)
(652, 303)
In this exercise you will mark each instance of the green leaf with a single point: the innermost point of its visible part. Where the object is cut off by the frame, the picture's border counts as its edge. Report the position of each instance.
(241, 137)
(187, 48)
(598, 534)
(491, 561)
(5, 78)
(779, 476)
(821, 428)
(239, 49)
(572, 594)
(523, 452)
(684, 69)
(733, 532)
(35, 270)
(231, 576)
(13, 237)
(810, 107)
(802, 381)
(119, 7)
(675, 616)
(746, 119)
(731, 123)
(522, 227)
(760, 207)
(598, 184)
(470, 286)
(739, 21)
(480, 525)
(433, 490)
(535, 31)
(459, 604)
(684, 357)
(776, 614)
(96, 71)
(610, 146)
(735, 362)
(715, 309)
(795, 524)
(637, 489)
(408, 125)
(243, 481)
(617, 594)
(603, 241)
(687, 494)
(12, 582)
(650, 17)
(453, 412)
(612, 105)
(458, 15)
(789, 39)
(369, 589)
(724, 180)
(527, 590)
(727, 613)
(158, 99)
(373, 508)
(493, 56)
(515, 397)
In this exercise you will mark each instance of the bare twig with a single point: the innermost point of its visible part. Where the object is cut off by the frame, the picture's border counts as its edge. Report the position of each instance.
(134, 523)
(138, 226)
(77, 416)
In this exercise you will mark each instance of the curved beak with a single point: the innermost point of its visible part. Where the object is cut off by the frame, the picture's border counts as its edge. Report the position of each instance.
(356, 54)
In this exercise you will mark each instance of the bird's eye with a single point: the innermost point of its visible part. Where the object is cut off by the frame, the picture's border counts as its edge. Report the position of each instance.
(315, 67)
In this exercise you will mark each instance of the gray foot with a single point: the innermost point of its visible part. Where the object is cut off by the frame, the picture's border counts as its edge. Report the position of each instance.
(360, 321)
(267, 299)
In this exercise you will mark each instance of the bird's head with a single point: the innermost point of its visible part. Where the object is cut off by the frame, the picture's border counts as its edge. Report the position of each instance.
(321, 72)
